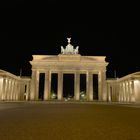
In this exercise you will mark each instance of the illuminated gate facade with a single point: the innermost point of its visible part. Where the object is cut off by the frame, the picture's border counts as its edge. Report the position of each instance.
(69, 61)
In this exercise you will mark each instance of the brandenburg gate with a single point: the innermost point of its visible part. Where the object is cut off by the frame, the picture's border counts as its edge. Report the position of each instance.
(69, 61)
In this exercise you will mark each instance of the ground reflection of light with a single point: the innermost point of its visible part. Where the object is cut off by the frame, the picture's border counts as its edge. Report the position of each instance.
(53, 96)
(83, 95)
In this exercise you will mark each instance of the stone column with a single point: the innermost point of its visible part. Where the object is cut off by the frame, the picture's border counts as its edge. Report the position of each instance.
(22, 90)
(12, 88)
(37, 85)
(113, 92)
(3, 88)
(125, 91)
(9, 89)
(15, 90)
(122, 92)
(33, 89)
(34, 85)
(77, 86)
(102, 86)
(60, 86)
(27, 91)
(89, 86)
(119, 92)
(47, 89)
(99, 86)
(128, 91)
(133, 92)
(18, 91)
(6, 89)
(108, 89)
(1, 84)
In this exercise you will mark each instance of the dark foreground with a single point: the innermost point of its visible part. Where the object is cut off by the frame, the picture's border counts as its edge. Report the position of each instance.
(42, 121)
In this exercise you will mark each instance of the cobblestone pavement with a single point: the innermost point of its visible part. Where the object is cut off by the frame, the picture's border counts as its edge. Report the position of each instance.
(69, 121)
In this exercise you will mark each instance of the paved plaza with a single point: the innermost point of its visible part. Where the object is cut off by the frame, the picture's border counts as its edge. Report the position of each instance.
(69, 121)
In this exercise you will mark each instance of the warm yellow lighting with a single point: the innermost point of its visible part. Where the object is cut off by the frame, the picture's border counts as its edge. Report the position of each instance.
(1, 80)
(136, 81)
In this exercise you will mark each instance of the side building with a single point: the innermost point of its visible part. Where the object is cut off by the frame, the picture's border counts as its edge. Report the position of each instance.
(124, 89)
(13, 88)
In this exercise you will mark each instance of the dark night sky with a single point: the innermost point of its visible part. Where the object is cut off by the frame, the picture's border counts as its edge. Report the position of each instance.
(37, 28)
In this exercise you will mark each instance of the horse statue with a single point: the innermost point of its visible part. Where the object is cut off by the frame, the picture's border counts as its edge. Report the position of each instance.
(76, 51)
(62, 50)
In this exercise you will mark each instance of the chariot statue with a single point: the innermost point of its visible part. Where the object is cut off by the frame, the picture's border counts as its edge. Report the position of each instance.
(69, 48)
